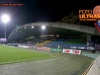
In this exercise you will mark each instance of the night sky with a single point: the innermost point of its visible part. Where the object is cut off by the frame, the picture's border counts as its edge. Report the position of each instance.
(40, 11)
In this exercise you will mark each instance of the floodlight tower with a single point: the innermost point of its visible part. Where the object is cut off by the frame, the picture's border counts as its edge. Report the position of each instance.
(5, 19)
(43, 28)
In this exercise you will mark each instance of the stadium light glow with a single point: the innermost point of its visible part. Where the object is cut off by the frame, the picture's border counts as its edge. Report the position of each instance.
(32, 26)
(5, 18)
(43, 27)
(24, 27)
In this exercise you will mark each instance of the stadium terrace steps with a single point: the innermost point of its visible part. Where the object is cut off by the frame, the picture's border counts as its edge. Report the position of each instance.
(63, 44)
(74, 43)
(66, 43)
(43, 43)
(56, 43)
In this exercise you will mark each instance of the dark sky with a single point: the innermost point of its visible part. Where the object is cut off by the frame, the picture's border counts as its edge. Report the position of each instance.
(40, 11)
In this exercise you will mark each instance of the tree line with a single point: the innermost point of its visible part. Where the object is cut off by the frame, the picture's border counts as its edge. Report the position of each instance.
(74, 19)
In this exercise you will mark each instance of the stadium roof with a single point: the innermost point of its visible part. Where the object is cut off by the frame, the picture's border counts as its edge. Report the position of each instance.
(25, 31)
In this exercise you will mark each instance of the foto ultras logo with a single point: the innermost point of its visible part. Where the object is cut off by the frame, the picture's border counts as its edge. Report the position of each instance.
(91, 15)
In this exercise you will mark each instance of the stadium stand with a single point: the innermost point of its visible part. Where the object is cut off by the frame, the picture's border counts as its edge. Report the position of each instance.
(74, 43)
(77, 41)
(56, 42)
(69, 43)
(42, 43)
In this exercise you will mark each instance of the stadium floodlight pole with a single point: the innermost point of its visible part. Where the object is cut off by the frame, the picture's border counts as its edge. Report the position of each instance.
(5, 19)
(43, 28)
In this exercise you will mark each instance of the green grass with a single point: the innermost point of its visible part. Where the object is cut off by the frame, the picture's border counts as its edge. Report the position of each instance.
(64, 64)
(10, 55)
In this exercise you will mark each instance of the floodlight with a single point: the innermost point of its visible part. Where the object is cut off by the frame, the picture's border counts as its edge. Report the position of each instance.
(5, 18)
(43, 27)
(32, 26)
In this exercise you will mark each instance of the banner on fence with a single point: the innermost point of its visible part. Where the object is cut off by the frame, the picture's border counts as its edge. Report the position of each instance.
(43, 48)
(73, 47)
(46, 48)
(39, 48)
(90, 48)
(23, 46)
(30, 47)
(56, 50)
(72, 51)
(81, 47)
(34, 47)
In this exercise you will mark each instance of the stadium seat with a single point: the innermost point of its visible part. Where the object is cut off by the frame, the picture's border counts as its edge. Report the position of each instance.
(59, 42)
(42, 43)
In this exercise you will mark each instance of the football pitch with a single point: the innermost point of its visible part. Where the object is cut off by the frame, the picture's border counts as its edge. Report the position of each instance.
(12, 54)
(64, 64)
